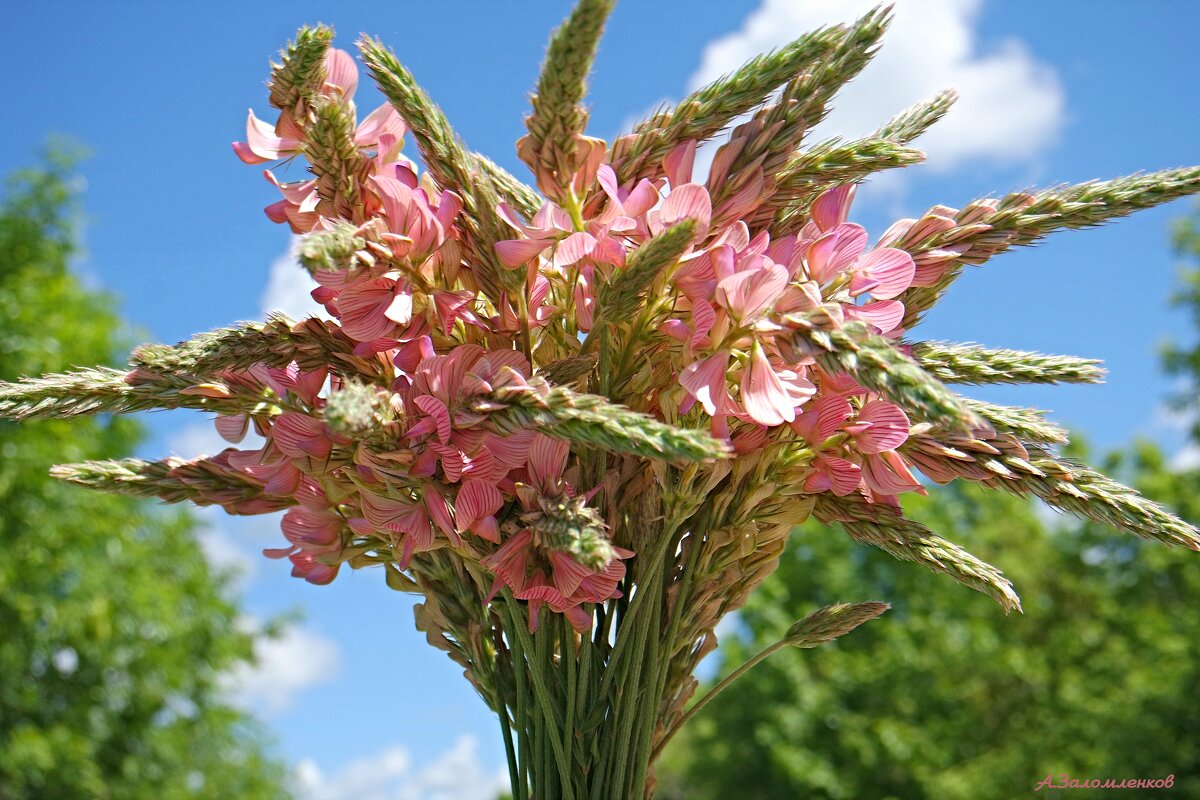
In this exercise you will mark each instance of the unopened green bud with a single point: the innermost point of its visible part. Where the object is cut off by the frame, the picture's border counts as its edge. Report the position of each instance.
(328, 251)
(354, 409)
(569, 524)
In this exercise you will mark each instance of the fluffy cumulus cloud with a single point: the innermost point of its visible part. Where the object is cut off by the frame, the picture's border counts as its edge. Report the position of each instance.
(287, 665)
(288, 287)
(392, 774)
(1010, 104)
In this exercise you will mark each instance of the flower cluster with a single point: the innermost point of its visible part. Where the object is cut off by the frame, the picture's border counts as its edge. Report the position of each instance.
(440, 474)
(614, 399)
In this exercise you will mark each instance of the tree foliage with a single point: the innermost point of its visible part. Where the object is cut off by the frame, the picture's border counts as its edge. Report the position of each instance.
(945, 698)
(116, 632)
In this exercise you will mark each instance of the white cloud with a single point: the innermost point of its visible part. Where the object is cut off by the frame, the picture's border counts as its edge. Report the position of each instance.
(1186, 458)
(286, 665)
(457, 774)
(1010, 104)
(288, 287)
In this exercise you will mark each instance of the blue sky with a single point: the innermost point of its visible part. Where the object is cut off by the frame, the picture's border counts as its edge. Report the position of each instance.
(1053, 92)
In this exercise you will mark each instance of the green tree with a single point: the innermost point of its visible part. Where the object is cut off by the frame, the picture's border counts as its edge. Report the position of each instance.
(115, 630)
(946, 699)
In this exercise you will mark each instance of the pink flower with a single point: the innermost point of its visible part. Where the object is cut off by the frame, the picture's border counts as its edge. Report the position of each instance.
(879, 426)
(297, 436)
(704, 381)
(266, 143)
(371, 309)
(475, 509)
(887, 474)
(314, 532)
(762, 393)
(405, 521)
(834, 474)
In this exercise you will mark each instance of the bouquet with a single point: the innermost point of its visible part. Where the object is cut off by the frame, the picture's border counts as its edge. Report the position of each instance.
(580, 421)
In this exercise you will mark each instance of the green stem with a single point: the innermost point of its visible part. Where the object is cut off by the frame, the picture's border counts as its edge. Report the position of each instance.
(566, 658)
(542, 695)
(721, 686)
(510, 753)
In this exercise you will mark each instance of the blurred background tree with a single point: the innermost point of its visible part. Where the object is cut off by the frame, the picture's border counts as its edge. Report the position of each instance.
(945, 698)
(115, 631)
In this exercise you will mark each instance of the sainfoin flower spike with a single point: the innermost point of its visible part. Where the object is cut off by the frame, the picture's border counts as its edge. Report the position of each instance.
(581, 423)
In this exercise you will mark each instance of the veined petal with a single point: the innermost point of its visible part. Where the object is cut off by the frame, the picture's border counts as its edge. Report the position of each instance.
(518, 252)
(233, 428)
(299, 435)
(437, 410)
(573, 248)
(547, 460)
(890, 270)
(568, 573)
(763, 394)
(887, 474)
(689, 201)
(888, 427)
(833, 206)
(678, 163)
(843, 476)
(476, 499)
(380, 122)
(705, 381)
(883, 314)
(834, 251)
(747, 294)
(341, 72)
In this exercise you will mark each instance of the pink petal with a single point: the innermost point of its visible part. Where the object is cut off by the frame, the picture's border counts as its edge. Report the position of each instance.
(476, 499)
(439, 512)
(278, 552)
(248, 156)
(568, 573)
(835, 250)
(282, 479)
(689, 201)
(833, 206)
(678, 163)
(547, 460)
(888, 427)
(511, 450)
(299, 435)
(705, 381)
(641, 199)
(573, 248)
(890, 270)
(607, 179)
(763, 395)
(843, 477)
(518, 252)
(437, 410)
(883, 314)
(233, 428)
(262, 142)
(579, 617)
(363, 309)
(747, 294)
(341, 72)
(887, 474)
(487, 528)
(383, 121)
